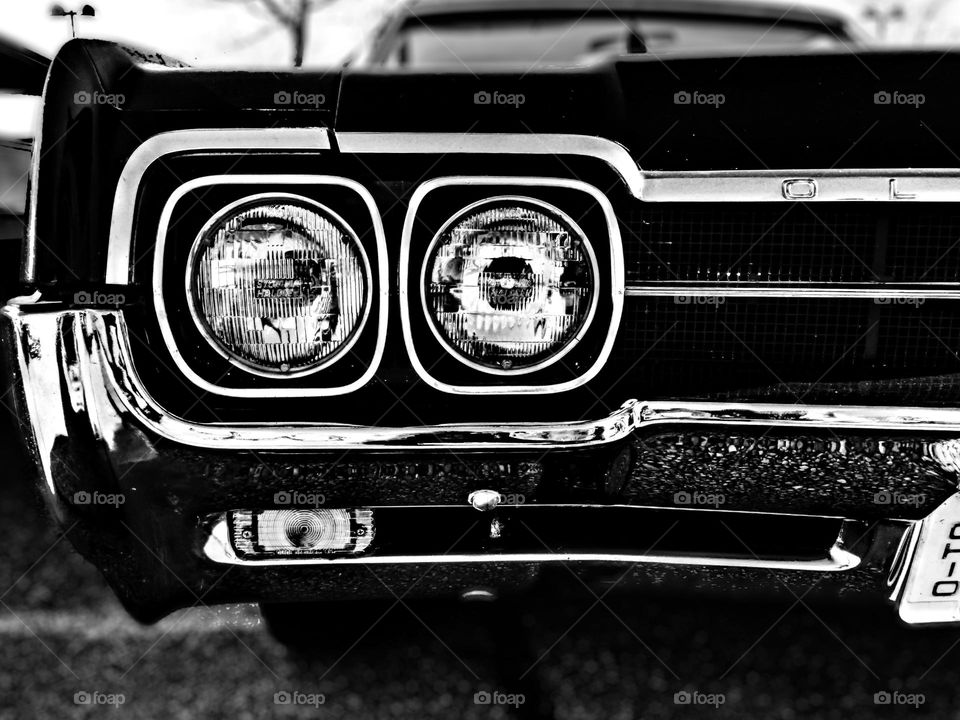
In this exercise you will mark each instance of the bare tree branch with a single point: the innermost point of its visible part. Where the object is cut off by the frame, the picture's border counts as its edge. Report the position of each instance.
(294, 17)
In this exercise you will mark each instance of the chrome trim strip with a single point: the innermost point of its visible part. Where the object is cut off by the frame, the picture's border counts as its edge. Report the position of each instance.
(383, 280)
(799, 290)
(118, 270)
(610, 152)
(617, 275)
(837, 558)
(851, 417)
(848, 185)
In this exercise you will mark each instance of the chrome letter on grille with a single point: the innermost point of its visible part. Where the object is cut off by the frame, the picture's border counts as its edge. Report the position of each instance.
(895, 193)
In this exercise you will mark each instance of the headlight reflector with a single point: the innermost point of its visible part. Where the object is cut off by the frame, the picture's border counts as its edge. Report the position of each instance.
(509, 284)
(279, 284)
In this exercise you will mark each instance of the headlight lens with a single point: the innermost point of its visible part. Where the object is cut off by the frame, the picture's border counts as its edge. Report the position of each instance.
(509, 284)
(279, 285)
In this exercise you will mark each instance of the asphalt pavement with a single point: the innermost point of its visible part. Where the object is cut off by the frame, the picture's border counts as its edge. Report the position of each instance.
(70, 650)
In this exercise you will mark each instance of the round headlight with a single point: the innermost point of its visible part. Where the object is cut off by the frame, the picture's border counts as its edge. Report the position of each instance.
(509, 285)
(279, 285)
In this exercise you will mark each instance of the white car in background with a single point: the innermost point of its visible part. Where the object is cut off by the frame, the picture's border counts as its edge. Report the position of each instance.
(22, 73)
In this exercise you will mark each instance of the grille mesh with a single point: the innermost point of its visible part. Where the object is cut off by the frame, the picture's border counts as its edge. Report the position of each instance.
(787, 333)
(802, 242)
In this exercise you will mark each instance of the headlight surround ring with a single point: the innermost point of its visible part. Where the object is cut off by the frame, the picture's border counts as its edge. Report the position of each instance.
(552, 214)
(325, 215)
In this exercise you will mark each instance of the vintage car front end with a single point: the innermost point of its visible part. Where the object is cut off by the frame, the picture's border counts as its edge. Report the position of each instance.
(301, 336)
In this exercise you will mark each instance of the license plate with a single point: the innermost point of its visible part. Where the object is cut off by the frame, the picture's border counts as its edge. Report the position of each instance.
(931, 591)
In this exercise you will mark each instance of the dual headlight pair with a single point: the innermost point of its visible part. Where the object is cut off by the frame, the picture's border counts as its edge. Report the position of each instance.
(282, 286)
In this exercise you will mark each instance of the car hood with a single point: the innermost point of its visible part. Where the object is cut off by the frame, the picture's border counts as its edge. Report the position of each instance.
(826, 110)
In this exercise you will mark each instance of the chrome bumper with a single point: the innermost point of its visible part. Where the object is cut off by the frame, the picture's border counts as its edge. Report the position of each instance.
(73, 368)
(91, 349)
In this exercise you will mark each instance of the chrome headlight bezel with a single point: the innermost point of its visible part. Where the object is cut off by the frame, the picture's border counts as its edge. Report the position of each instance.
(209, 335)
(552, 212)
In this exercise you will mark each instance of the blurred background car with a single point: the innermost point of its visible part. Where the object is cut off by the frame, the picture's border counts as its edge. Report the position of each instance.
(22, 73)
(484, 33)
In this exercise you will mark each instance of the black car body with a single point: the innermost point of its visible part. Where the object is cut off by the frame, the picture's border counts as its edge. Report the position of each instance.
(767, 380)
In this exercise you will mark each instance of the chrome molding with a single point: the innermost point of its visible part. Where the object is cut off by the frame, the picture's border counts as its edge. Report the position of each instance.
(849, 417)
(612, 153)
(837, 558)
(854, 185)
(616, 278)
(118, 270)
(798, 290)
(276, 390)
